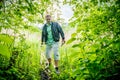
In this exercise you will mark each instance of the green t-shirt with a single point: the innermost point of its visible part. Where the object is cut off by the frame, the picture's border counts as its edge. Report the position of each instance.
(50, 36)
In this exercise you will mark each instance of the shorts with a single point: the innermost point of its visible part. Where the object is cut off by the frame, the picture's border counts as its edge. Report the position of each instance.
(55, 48)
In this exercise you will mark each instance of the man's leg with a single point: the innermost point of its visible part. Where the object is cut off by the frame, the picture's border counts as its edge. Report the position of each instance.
(56, 63)
(48, 55)
(50, 61)
(56, 66)
(56, 54)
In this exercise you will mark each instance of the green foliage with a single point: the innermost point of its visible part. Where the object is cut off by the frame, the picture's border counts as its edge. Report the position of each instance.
(4, 50)
(19, 56)
(97, 35)
(5, 44)
(92, 53)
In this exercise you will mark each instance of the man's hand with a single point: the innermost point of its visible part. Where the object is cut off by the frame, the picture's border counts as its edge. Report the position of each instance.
(63, 42)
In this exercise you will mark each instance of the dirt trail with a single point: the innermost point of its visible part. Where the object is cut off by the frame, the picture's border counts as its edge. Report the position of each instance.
(45, 74)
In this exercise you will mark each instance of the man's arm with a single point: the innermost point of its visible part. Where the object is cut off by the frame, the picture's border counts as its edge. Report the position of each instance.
(42, 36)
(61, 33)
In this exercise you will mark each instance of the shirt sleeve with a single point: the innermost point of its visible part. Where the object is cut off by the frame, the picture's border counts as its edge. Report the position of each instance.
(43, 36)
(61, 31)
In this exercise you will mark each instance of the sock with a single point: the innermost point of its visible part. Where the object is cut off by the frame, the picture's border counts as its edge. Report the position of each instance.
(56, 68)
(49, 64)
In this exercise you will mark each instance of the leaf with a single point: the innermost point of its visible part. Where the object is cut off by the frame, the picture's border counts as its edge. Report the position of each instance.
(4, 50)
(6, 39)
(74, 34)
(76, 72)
(71, 40)
(76, 45)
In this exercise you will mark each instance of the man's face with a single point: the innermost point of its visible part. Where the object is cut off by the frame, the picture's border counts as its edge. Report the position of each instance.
(48, 18)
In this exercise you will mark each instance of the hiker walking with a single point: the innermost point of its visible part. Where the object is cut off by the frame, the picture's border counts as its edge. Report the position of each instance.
(51, 35)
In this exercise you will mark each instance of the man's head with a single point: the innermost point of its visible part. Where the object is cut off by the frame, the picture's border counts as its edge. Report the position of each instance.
(48, 18)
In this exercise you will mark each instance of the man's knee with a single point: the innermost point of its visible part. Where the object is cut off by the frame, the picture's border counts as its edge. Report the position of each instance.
(56, 56)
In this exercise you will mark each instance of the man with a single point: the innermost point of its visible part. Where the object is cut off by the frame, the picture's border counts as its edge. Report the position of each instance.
(51, 35)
